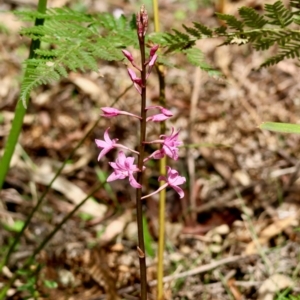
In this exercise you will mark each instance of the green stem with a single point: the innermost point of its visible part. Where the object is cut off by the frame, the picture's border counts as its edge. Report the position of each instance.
(162, 196)
(155, 15)
(139, 203)
(20, 110)
(162, 170)
(41, 246)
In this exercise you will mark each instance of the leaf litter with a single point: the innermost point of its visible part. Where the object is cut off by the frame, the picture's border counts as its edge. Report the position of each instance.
(241, 239)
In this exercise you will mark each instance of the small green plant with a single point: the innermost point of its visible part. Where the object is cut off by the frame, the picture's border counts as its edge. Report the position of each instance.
(285, 295)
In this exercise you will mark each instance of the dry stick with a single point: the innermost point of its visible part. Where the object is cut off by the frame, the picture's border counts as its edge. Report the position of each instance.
(200, 269)
(190, 159)
(192, 272)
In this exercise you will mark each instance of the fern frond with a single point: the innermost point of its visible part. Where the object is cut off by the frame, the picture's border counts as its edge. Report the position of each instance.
(79, 39)
(231, 21)
(193, 32)
(251, 18)
(196, 57)
(263, 31)
(278, 14)
(203, 29)
(295, 4)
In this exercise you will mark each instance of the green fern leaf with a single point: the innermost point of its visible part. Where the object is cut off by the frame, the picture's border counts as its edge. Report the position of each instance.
(192, 31)
(252, 18)
(203, 29)
(295, 4)
(278, 14)
(158, 38)
(179, 36)
(231, 21)
(164, 60)
(196, 57)
(79, 39)
(221, 30)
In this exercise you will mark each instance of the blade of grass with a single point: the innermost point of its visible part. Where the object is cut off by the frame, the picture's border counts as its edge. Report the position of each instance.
(148, 238)
(280, 127)
(21, 107)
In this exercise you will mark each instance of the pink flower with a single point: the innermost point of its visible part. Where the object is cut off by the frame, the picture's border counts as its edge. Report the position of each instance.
(124, 167)
(170, 146)
(173, 180)
(107, 144)
(110, 112)
(164, 115)
(136, 80)
(153, 50)
(152, 61)
(151, 64)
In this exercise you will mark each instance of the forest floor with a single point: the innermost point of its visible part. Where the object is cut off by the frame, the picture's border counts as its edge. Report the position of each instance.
(235, 234)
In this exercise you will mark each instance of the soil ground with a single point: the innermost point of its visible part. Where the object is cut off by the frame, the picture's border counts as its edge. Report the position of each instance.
(235, 234)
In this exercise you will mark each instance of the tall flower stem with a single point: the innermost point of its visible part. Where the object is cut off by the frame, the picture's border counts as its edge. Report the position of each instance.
(139, 203)
(162, 171)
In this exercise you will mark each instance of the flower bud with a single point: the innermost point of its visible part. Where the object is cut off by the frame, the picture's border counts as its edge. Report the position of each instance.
(152, 61)
(153, 50)
(128, 55)
(142, 22)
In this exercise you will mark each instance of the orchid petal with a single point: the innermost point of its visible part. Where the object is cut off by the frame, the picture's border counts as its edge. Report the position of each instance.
(152, 60)
(133, 182)
(179, 191)
(110, 112)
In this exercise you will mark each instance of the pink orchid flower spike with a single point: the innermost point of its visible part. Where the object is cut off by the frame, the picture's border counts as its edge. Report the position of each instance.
(170, 146)
(173, 180)
(124, 167)
(164, 115)
(107, 145)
